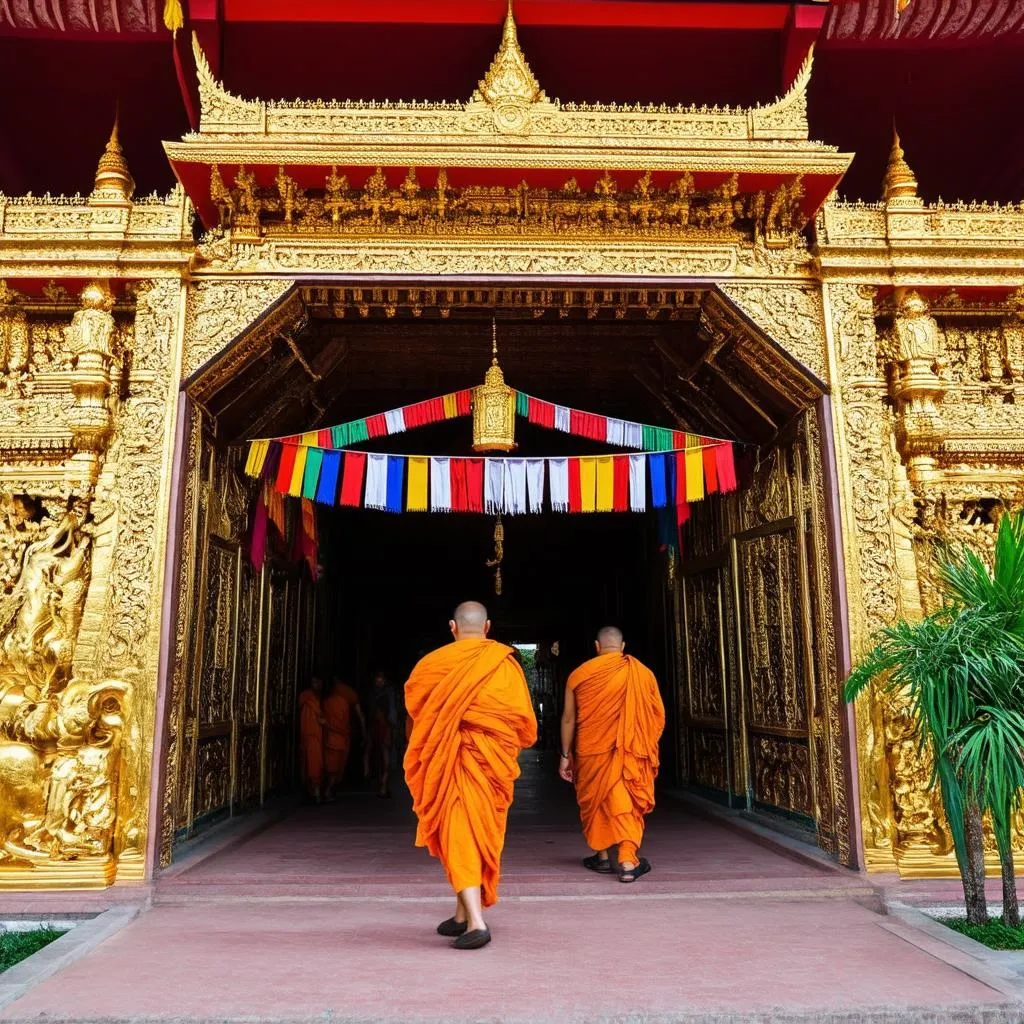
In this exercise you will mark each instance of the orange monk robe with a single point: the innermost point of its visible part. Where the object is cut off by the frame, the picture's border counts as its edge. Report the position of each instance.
(339, 708)
(311, 738)
(471, 715)
(619, 719)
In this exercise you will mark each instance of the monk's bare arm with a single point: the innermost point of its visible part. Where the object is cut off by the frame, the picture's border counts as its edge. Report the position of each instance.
(568, 735)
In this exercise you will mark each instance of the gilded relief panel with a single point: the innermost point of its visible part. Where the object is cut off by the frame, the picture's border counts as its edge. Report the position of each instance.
(930, 455)
(85, 417)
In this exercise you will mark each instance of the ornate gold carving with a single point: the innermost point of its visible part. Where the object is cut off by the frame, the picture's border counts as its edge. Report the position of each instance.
(219, 311)
(60, 733)
(509, 88)
(900, 185)
(678, 210)
(508, 102)
(792, 316)
(915, 384)
(494, 413)
(114, 183)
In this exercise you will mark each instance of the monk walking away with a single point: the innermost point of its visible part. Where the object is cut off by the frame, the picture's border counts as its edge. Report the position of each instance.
(339, 708)
(471, 715)
(311, 739)
(614, 715)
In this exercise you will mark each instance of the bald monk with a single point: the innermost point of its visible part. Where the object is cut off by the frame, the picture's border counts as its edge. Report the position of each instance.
(613, 712)
(471, 715)
(311, 739)
(340, 707)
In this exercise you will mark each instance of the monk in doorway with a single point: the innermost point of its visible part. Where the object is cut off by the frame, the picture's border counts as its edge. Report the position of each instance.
(471, 715)
(311, 739)
(339, 708)
(614, 713)
(382, 740)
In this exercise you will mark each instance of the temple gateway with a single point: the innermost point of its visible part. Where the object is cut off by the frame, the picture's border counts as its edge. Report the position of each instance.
(775, 402)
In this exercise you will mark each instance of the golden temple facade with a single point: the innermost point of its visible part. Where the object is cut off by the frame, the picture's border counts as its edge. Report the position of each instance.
(148, 670)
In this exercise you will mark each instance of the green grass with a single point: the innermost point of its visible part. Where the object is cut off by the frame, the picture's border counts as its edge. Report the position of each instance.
(15, 946)
(995, 934)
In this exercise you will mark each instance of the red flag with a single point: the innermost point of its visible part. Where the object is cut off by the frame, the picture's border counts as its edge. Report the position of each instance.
(464, 402)
(575, 489)
(726, 467)
(620, 499)
(285, 468)
(541, 413)
(459, 485)
(710, 470)
(376, 426)
(352, 480)
(474, 485)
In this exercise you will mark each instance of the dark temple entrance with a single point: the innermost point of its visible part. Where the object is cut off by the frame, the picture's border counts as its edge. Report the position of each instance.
(729, 629)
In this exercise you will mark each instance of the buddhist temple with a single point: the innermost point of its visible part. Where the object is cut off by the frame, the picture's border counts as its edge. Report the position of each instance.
(702, 318)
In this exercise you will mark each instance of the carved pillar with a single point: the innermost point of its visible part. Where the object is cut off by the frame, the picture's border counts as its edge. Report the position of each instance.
(89, 341)
(901, 819)
(915, 386)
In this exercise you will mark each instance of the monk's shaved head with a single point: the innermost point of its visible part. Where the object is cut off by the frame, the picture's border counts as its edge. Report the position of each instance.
(470, 620)
(610, 639)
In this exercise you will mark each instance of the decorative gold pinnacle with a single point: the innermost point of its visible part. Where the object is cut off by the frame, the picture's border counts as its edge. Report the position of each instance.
(113, 178)
(509, 78)
(899, 182)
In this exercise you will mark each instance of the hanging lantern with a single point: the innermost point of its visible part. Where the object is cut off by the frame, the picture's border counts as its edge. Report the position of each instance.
(494, 408)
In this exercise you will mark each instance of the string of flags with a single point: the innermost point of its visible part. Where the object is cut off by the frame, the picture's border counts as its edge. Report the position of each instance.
(507, 485)
(663, 469)
(617, 432)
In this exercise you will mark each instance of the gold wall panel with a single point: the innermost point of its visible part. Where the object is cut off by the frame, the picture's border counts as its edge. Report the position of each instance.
(759, 689)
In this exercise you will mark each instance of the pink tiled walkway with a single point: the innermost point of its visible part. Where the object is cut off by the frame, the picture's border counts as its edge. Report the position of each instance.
(330, 914)
(550, 961)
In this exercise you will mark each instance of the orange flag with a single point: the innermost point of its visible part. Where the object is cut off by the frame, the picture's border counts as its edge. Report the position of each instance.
(619, 720)
(472, 714)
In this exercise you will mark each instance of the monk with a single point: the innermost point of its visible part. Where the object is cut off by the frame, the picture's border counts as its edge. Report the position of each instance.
(339, 708)
(614, 713)
(471, 715)
(311, 739)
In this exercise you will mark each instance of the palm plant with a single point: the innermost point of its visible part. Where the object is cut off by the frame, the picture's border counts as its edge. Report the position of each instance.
(962, 671)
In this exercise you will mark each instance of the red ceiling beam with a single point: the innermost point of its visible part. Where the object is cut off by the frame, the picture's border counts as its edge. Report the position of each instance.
(597, 13)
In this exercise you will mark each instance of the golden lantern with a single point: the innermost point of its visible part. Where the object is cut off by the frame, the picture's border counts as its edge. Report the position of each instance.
(494, 408)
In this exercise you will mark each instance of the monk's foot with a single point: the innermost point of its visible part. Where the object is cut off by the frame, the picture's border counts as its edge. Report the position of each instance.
(451, 928)
(602, 865)
(476, 939)
(635, 871)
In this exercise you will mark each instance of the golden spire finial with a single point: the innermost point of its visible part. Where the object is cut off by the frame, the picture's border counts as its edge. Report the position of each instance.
(113, 179)
(494, 407)
(509, 78)
(899, 182)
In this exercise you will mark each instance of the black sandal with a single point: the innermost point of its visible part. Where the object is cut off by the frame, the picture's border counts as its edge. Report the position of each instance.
(642, 868)
(473, 940)
(595, 863)
(452, 929)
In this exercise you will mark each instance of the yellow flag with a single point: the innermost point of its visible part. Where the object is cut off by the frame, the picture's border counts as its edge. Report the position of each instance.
(605, 483)
(295, 487)
(588, 484)
(416, 497)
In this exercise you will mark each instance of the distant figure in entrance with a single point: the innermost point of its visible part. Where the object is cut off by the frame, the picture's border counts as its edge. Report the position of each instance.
(339, 709)
(613, 712)
(471, 714)
(311, 739)
(383, 735)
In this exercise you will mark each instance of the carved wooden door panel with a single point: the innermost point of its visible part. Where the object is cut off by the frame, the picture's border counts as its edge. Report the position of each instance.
(775, 676)
(704, 700)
